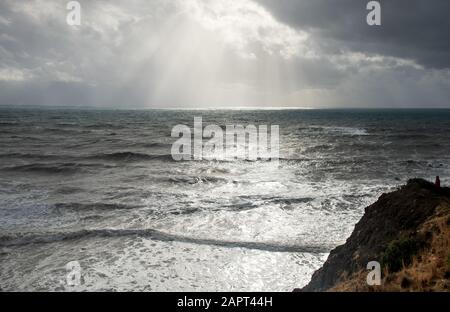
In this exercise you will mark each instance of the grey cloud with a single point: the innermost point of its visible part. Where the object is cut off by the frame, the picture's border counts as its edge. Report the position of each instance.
(414, 29)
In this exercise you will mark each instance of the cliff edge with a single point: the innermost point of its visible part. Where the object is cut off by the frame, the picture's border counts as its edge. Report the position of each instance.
(407, 232)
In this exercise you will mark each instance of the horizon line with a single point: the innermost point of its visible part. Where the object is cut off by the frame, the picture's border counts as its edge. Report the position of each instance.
(240, 108)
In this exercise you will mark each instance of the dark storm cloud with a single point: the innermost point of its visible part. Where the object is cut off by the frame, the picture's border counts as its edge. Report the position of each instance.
(197, 53)
(413, 29)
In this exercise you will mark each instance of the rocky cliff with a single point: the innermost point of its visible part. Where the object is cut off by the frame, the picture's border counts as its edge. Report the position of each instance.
(407, 232)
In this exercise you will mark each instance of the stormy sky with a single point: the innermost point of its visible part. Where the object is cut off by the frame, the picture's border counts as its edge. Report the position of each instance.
(225, 53)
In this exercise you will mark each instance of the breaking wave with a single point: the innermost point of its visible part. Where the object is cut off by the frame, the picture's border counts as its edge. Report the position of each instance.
(340, 130)
(21, 240)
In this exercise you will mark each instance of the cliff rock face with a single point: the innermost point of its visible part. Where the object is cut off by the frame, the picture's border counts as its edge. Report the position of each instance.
(405, 228)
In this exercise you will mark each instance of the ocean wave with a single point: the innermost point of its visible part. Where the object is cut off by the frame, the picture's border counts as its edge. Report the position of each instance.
(9, 123)
(65, 131)
(341, 130)
(24, 138)
(30, 155)
(46, 168)
(320, 148)
(66, 168)
(68, 124)
(94, 206)
(153, 145)
(46, 238)
(179, 212)
(296, 160)
(196, 179)
(404, 136)
(99, 126)
(422, 163)
(66, 190)
(290, 201)
(130, 156)
(32, 238)
(104, 207)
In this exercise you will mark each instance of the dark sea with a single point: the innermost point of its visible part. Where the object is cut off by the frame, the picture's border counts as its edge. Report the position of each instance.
(100, 187)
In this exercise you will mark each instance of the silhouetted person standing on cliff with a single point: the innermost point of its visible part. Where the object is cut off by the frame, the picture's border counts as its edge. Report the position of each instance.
(438, 182)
